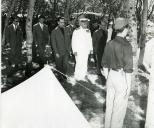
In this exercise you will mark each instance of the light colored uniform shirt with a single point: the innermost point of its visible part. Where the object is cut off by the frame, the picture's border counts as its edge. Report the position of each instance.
(82, 41)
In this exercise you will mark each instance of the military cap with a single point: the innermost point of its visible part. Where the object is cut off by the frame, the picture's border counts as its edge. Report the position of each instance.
(120, 23)
(83, 18)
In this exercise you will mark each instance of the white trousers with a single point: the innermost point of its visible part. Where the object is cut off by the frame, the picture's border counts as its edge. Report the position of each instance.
(117, 98)
(81, 66)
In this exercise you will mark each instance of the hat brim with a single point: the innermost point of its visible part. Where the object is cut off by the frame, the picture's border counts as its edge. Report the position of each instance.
(84, 19)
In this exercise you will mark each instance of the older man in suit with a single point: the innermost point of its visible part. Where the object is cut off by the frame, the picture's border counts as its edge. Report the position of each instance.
(40, 40)
(14, 38)
(60, 39)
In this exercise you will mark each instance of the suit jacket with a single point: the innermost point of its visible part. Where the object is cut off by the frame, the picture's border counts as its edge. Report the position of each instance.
(14, 38)
(60, 41)
(40, 37)
(99, 40)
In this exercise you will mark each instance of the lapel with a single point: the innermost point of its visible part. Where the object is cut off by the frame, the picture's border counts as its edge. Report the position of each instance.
(12, 27)
(40, 27)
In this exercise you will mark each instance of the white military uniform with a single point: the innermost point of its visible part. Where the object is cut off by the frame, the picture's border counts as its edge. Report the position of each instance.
(148, 61)
(82, 45)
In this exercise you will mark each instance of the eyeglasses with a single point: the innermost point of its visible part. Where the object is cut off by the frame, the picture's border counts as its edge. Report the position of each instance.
(16, 21)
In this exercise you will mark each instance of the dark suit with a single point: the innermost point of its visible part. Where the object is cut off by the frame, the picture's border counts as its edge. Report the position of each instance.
(14, 38)
(99, 42)
(60, 43)
(70, 28)
(41, 39)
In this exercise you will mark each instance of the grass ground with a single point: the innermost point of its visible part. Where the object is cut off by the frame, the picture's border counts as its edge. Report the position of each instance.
(89, 95)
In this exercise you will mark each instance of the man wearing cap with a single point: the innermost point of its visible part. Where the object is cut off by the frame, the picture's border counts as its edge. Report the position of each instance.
(14, 38)
(99, 42)
(117, 65)
(60, 42)
(40, 40)
(81, 46)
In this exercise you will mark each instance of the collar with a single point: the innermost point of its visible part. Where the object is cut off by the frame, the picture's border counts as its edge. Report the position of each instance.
(40, 24)
(121, 39)
(84, 29)
(15, 27)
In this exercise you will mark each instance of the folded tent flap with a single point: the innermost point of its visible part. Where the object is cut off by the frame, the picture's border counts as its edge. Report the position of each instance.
(40, 102)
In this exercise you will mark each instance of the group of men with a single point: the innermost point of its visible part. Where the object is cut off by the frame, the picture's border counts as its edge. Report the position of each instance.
(114, 59)
(64, 41)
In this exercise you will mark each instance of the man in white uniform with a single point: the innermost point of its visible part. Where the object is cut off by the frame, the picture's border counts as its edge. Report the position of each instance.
(81, 46)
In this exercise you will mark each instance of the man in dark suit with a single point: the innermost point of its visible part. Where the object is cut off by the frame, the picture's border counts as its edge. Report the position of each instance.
(99, 42)
(14, 38)
(60, 39)
(40, 40)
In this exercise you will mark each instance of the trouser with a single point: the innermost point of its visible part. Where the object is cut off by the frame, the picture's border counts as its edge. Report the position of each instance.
(99, 55)
(117, 98)
(81, 66)
(62, 63)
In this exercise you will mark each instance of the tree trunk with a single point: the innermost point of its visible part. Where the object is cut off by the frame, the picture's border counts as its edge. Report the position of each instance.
(55, 4)
(143, 30)
(12, 5)
(133, 40)
(29, 39)
(66, 14)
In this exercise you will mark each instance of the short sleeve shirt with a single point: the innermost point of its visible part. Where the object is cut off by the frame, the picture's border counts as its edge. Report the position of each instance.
(118, 54)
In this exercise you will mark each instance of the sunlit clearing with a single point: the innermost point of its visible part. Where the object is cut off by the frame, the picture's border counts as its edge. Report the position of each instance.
(99, 98)
(71, 80)
(92, 78)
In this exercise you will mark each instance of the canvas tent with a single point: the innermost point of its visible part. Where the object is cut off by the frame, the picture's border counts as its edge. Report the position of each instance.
(40, 102)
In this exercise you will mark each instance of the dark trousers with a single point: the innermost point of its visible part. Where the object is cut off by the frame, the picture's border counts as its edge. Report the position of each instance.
(62, 63)
(99, 56)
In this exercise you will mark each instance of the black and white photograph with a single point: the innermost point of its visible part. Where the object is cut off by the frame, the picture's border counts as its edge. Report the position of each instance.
(77, 64)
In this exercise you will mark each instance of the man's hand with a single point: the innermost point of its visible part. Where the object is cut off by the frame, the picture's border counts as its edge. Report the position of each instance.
(57, 55)
(91, 52)
(128, 82)
(105, 72)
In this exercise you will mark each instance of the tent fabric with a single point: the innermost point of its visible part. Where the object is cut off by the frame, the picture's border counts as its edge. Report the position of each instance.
(40, 102)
